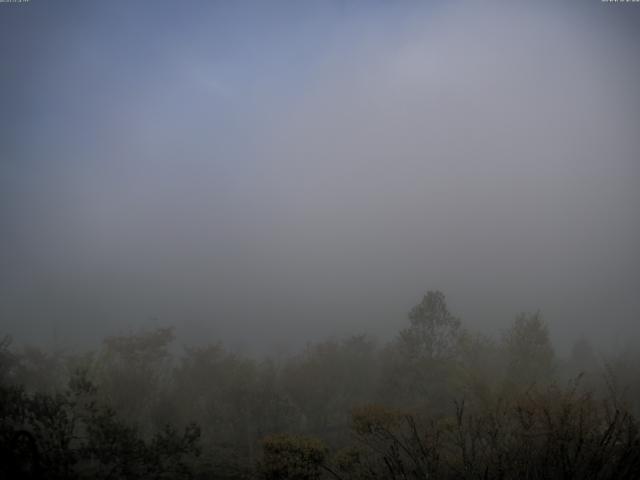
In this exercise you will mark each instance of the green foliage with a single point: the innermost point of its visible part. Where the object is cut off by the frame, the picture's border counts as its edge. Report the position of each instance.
(292, 457)
(371, 419)
(350, 463)
(71, 435)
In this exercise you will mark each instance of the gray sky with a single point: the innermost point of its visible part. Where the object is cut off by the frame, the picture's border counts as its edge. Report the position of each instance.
(271, 172)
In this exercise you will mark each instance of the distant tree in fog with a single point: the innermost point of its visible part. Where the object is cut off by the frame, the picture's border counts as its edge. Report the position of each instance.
(530, 354)
(434, 332)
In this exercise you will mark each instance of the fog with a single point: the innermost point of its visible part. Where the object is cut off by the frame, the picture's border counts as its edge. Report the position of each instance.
(265, 174)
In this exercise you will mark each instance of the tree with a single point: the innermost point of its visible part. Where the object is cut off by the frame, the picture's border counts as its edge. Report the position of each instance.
(434, 333)
(292, 457)
(422, 366)
(71, 435)
(530, 355)
(132, 371)
(328, 379)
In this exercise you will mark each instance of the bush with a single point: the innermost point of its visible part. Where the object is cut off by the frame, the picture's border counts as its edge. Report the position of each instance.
(291, 457)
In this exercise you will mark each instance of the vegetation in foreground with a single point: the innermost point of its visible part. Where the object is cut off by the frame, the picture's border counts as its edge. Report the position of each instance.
(436, 402)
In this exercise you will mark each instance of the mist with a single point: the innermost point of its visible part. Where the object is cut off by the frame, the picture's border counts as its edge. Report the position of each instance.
(270, 174)
(331, 240)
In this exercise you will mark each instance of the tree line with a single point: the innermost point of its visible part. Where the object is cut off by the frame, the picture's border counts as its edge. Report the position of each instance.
(436, 401)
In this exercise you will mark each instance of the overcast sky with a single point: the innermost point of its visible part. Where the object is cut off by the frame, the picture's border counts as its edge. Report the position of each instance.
(265, 173)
